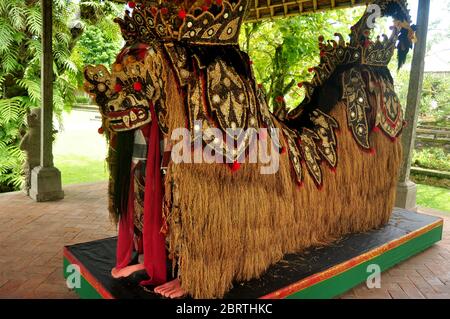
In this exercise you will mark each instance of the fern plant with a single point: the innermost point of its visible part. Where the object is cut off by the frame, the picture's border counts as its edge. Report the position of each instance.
(20, 54)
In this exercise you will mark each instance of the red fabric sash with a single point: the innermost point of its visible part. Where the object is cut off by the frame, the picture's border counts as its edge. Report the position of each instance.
(153, 239)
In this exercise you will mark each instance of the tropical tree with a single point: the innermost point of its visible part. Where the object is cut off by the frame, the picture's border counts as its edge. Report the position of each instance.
(20, 54)
(96, 46)
(283, 50)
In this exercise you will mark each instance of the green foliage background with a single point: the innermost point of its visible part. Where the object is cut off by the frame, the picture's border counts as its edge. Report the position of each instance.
(283, 50)
(20, 53)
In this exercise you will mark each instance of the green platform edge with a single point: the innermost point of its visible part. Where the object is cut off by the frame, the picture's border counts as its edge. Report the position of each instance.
(346, 280)
(331, 287)
(86, 290)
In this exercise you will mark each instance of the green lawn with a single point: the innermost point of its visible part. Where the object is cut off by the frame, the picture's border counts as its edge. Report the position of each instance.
(79, 151)
(79, 169)
(433, 197)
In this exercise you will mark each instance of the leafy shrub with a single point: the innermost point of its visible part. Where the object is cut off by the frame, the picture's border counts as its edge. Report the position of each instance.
(82, 99)
(432, 158)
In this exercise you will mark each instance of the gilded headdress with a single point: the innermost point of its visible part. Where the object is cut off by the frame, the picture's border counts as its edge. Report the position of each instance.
(201, 22)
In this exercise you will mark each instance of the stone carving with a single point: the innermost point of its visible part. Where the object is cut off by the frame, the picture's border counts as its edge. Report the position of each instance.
(30, 144)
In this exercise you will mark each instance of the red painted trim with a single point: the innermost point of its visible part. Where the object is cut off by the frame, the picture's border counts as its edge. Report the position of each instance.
(345, 266)
(87, 275)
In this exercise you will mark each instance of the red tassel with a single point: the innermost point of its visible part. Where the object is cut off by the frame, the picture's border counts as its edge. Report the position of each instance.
(393, 139)
(373, 152)
(131, 4)
(235, 166)
(283, 150)
(376, 129)
(182, 14)
(300, 184)
(333, 170)
(101, 131)
(137, 86)
(141, 54)
(118, 88)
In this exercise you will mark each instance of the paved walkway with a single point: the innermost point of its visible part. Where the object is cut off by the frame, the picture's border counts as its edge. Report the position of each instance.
(32, 236)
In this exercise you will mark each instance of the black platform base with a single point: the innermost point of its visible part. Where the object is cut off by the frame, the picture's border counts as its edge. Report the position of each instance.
(318, 273)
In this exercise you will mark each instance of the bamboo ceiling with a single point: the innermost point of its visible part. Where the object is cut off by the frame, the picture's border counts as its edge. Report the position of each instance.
(264, 9)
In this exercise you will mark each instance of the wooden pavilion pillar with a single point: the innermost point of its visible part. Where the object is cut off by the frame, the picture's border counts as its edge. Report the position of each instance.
(46, 179)
(407, 190)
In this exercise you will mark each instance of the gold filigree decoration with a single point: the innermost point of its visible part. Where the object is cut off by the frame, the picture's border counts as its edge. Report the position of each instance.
(311, 146)
(311, 155)
(389, 116)
(355, 97)
(227, 96)
(295, 156)
(147, 23)
(324, 128)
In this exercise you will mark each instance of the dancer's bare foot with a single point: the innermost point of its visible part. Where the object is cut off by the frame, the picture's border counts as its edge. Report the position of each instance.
(171, 289)
(127, 271)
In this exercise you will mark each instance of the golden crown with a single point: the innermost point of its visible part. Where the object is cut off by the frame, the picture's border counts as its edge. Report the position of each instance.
(201, 22)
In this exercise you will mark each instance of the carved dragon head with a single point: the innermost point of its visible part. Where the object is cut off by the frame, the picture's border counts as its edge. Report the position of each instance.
(126, 94)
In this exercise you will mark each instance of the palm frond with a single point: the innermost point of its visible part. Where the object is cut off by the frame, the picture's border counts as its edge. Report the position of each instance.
(10, 109)
(6, 34)
(17, 17)
(33, 88)
(34, 20)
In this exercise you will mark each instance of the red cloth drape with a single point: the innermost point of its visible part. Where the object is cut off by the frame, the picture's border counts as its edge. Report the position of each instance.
(153, 239)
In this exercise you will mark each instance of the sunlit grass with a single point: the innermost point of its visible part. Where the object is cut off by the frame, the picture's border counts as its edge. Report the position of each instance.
(80, 170)
(433, 197)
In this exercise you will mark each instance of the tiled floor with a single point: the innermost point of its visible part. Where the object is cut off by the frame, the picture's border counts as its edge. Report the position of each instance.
(32, 236)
